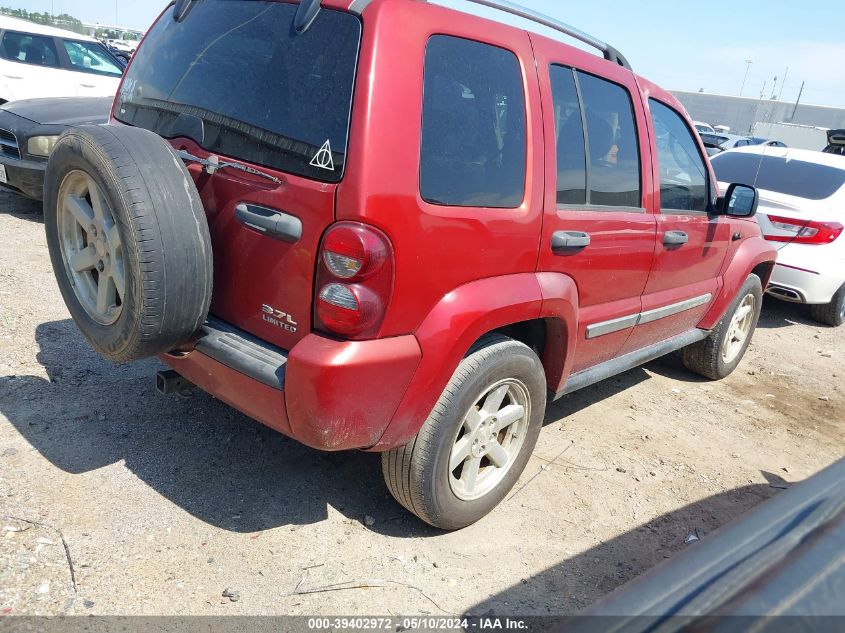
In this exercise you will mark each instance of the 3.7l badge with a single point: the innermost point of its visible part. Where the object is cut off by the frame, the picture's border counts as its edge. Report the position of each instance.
(278, 318)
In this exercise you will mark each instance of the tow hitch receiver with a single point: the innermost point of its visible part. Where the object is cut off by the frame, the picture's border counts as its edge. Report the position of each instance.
(169, 382)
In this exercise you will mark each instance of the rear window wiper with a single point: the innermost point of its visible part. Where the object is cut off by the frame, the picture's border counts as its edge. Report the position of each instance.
(213, 164)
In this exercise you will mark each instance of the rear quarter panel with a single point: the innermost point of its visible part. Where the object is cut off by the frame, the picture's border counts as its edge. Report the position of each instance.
(437, 248)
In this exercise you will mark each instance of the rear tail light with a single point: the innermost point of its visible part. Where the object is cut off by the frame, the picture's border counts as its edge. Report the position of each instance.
(803, 231)
(354, 280)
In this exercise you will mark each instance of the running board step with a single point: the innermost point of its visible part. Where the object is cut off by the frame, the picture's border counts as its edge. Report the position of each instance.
(243, 352)
(630, 361)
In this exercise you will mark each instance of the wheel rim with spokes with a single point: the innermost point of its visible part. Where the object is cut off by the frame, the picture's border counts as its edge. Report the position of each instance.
(91, 248)
(739, 329)
(489, 439)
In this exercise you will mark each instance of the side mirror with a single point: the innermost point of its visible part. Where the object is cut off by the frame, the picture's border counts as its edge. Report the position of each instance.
(740, 201)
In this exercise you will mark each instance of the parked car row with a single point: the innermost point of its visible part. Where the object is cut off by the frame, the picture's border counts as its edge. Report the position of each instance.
(715, 143)
(50, 80)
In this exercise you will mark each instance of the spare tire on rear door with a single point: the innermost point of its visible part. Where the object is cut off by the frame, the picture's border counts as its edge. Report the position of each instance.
(128, 240)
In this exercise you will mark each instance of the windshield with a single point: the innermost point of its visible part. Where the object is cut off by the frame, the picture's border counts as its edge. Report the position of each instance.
(779, 175)
(235, 77)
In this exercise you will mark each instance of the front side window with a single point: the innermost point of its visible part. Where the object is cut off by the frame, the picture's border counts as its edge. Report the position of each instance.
(473, 150)
(569, 144)
(683, 176)
(91, 58)
(30, 49)
(612, 143)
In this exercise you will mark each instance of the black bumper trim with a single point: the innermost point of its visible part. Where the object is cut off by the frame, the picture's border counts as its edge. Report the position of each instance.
(243, 352)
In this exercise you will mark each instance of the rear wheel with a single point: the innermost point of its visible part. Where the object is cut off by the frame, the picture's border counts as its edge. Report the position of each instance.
(477, 440)
(832, 313)
(718, 355)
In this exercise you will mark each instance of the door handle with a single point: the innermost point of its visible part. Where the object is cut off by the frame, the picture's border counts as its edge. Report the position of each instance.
(275, 224)
(567, 240)
(88, 85)
(675, 238)
(13, 77)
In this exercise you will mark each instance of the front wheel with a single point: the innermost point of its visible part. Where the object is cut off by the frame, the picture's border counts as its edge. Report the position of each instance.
(718, 355)
(477, 440)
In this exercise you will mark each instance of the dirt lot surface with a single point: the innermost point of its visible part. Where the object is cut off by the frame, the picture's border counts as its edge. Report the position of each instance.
(115, 500)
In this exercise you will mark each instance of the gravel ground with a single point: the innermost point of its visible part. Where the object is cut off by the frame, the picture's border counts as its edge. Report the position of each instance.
(115, 500)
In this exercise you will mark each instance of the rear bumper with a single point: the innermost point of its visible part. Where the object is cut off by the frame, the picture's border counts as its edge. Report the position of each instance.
(327, 394)
(803, 286)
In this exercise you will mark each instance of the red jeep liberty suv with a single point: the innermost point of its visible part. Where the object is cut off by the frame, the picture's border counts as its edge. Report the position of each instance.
(393, 226)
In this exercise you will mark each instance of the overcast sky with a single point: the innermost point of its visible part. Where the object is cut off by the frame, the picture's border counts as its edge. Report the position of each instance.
(676, 43)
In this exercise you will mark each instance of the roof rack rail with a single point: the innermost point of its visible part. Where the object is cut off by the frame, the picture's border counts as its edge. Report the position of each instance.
(610, 53)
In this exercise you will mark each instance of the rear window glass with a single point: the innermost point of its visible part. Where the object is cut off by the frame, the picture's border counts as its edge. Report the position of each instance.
(235, 77)
(473, 128)
(779, 175)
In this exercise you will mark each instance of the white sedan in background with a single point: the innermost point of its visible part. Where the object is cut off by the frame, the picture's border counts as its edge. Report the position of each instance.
(802, 211)
(39, 61)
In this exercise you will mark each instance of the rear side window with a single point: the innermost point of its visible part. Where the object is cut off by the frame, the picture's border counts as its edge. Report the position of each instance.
(236, 77)
(779, 175)
(30, 49)
(683, 176)
(89, 57)
(612, 142)
(473, 125)
(569, 144)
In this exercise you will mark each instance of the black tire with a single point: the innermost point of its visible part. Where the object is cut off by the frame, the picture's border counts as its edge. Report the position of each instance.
(705, 357)
(833, 313)
(163, 235)
(417, 474)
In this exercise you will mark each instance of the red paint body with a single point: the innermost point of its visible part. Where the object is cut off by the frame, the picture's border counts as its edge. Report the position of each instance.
(458, 272)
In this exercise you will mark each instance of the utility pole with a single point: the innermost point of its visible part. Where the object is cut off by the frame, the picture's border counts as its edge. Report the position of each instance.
(748, 63)
(783, 83)
(797, 101)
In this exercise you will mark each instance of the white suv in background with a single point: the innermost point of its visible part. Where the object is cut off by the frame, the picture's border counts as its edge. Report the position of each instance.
(41, 61)
(802, 211)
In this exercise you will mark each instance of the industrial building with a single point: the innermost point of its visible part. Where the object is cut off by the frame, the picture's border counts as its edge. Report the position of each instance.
(741, 113)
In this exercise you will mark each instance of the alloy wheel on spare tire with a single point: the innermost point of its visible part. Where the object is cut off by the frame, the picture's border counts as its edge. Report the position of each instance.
(128, 240)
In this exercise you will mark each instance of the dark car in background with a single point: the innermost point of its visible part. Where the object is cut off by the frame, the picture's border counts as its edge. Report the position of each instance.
(29, 130)
(835, 142)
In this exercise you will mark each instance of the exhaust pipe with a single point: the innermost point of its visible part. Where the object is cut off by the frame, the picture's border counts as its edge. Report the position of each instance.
(787, 294)
(169, 382)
